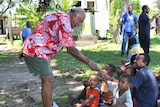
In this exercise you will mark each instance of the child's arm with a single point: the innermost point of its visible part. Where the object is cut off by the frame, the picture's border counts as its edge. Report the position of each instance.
(106, 78)
(85, 102)
(89, 99)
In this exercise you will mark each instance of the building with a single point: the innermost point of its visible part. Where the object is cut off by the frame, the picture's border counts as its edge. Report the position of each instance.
(97, 17)
(3, 24)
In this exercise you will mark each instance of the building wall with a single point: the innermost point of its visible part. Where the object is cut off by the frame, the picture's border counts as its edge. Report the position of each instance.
(3, 24)
(97, 17)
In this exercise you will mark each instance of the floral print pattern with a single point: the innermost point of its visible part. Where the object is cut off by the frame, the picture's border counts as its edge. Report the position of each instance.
(51, 34)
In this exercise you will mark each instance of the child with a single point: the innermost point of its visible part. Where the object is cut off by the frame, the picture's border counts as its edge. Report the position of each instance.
(130, 70)
(134, 48)
(125, 98)
(106, 96)
(109, 84)
(92, 93)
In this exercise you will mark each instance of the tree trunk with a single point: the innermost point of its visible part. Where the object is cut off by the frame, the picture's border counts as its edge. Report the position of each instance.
(117, 36)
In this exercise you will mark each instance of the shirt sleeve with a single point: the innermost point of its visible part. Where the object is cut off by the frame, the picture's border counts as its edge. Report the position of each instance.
(123, 18)
(129, 102)
(137, 80)
(24, 32)
(135, 18)
(65, 32)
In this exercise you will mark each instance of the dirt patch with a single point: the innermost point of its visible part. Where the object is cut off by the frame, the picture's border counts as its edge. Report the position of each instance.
(19, 88)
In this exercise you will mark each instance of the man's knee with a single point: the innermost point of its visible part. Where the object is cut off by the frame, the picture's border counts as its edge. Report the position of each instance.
(47, 79)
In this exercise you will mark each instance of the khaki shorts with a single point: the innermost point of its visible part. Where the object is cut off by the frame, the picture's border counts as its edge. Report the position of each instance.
(38, 66)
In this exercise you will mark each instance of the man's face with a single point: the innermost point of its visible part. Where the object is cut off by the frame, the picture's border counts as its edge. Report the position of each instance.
(147, 10)
(76, 20)
(139, 63)
(130, 8)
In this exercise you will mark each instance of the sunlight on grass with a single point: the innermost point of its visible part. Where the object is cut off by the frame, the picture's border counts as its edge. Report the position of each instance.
(103, 52)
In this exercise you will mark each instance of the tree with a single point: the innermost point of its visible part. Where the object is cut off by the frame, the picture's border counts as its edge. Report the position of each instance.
(117, 36)
(27, 12)
(6, 5)
(45, 6)
(116, 6)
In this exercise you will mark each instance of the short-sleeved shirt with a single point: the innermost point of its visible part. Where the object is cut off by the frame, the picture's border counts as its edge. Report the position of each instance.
(129, 19)
(113, 87)
(26, 32)
(125, 98)
(144, 27)
(135, 49)
(145, 87)
(52, 33)
(96, 94)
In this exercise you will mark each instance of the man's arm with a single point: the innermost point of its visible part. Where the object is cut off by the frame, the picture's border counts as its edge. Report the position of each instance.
(121, 27)
(136, 28)
(78, 55)
(151, 20)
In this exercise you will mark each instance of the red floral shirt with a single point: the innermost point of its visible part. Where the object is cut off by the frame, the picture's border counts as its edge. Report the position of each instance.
(51, 34)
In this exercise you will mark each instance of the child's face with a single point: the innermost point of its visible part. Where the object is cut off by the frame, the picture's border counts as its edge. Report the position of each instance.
(93, 81)
(128, 71)
(123, 83)
(107, 71)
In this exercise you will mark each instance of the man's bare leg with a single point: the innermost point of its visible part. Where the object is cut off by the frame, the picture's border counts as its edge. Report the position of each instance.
(47, 84)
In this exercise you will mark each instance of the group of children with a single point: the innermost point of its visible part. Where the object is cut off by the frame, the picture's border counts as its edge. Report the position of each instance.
(106, 91)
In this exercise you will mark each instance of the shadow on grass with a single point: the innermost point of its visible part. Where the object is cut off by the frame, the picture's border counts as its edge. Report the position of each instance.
(3, 43)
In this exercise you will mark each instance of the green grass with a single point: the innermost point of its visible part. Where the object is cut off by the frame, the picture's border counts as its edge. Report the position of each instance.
(102, 53)
(9, 55)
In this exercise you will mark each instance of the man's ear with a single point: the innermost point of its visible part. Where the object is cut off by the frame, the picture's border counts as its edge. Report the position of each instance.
(75, 14)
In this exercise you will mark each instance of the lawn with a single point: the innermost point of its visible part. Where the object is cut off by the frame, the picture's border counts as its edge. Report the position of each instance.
(103, 52)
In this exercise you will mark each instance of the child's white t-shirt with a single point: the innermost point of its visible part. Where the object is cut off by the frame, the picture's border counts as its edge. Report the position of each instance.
(125, 98)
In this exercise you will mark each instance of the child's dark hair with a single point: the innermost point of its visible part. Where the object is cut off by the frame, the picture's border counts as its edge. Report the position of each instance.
(133, 57)
(133, 70)
(125, 75)
(112, 68)
(132, 41)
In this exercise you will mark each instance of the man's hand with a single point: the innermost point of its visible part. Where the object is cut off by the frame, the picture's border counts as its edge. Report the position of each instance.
(120, 32)
(136, 31)
(93, 66)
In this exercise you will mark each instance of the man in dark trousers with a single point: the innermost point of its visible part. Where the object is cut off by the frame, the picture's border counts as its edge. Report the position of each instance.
(144, 28)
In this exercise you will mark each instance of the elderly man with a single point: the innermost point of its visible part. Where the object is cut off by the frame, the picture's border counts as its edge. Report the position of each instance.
(51, 34)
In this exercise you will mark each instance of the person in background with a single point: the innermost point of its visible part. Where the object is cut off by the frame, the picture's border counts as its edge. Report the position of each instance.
(134, 48)
(25, 33)
(145, 87)
(52, 33)
(144, 28)
(128, 24)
